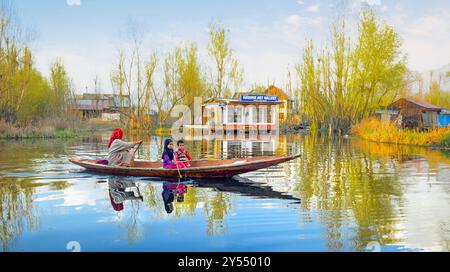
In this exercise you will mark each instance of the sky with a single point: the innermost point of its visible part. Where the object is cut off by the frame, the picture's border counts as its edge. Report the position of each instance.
(267, 36)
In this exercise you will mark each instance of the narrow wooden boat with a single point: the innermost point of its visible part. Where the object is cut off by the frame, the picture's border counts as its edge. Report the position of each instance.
(201, 169)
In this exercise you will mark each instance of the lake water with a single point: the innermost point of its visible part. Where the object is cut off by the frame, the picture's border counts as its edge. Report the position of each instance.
(342, 195)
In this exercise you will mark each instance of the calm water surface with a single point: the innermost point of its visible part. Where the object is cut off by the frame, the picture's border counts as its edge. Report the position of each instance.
(339, 196)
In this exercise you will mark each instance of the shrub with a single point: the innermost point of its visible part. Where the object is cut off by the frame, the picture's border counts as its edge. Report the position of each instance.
(385, 132)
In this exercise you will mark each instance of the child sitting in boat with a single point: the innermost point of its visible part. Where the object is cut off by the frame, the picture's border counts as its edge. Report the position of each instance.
(181, 155)
(168, 156)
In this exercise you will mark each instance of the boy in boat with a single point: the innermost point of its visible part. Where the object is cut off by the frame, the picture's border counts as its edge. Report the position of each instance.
(168, 156)
(181, 155)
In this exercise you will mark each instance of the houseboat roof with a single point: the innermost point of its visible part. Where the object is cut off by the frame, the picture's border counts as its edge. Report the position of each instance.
(227, 101)
(272, 89)
(417, 102)
(88, 104)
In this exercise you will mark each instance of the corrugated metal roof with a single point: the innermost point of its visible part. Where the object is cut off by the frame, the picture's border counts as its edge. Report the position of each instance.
(423, 104)
(87, 104)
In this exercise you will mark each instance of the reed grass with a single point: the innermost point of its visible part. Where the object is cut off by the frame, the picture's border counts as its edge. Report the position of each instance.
(45, 130)
(373, 129)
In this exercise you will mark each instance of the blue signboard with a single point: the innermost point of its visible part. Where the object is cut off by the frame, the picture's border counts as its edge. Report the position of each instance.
(258, 98)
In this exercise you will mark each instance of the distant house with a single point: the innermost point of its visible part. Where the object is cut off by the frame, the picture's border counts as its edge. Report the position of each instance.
(414, 113)
(107, 106)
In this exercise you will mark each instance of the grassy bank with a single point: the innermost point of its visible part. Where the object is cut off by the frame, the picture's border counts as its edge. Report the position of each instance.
(374, 130)
(66, 133)
(445, 142)
(52, 129)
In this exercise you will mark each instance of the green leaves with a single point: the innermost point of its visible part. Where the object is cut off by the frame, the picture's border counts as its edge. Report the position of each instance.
(228, 75)
(26, 96)
(345, 82)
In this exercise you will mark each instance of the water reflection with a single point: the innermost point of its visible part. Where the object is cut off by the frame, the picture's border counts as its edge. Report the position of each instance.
(172, 191)
(339, 196)
(345, 182)
(122, 190)
(17, 210)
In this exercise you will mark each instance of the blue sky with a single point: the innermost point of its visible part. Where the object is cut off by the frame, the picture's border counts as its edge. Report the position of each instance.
(267, 36)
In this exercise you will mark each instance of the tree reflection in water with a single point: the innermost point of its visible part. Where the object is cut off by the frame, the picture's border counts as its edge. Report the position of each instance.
(16, 209)
(179, 199)
(341, 181)
(357, 191)
(121, 190)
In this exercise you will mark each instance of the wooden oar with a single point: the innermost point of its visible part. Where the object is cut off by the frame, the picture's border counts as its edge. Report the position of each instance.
(134, 153)
(179, 173)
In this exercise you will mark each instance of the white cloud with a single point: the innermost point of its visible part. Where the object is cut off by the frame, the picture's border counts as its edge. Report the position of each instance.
(294, 21)
(426, 40)
(356, 5)
(313, 8)
(300, 2)
(73, 2)
(371, 2)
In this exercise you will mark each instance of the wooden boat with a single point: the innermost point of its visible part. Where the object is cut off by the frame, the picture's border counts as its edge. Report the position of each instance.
(201, 169)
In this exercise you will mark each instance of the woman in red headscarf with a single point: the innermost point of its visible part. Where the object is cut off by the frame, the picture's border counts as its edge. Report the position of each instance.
(119, 151)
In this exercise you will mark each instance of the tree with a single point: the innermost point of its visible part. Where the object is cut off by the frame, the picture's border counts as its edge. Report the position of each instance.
(191, 80)
(228, 75)
(15, 65)
(345, 82)
(134, 77)
(60, 86)
(183, 81)
(437, 96)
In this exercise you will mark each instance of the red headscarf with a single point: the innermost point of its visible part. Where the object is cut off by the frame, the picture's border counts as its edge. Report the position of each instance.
(116, 206)
(117, 134)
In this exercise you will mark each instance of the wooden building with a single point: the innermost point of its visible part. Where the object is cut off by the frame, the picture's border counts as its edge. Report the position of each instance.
(251, 111)
(105, 106)
(286, 103)
(413, 113)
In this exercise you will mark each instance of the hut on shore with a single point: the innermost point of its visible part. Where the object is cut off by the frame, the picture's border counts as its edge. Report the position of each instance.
(413, 113)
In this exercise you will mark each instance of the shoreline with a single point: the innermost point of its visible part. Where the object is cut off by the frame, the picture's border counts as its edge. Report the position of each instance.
(50, 130)
(432, 146)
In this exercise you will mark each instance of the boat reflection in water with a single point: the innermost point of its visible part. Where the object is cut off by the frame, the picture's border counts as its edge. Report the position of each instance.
(121, 190)
(172, 191)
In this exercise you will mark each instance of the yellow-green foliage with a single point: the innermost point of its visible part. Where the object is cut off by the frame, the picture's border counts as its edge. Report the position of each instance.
(25, 95)
(436, 96)
(228, 75)
(346, 81)
(384, 132)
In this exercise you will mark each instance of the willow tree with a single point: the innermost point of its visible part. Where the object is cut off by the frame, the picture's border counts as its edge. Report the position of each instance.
(437, 96)
(183, 80)
(60, 86)
(228, 74)
(345, 82)
(191, 79)
(26, 96)
(15, 65)
(133, 77)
